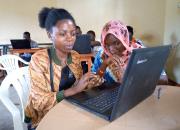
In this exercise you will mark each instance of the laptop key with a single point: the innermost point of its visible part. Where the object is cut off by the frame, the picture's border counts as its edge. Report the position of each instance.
(102, 102)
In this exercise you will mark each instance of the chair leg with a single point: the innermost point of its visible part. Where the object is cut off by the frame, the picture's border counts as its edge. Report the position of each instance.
(14, 112)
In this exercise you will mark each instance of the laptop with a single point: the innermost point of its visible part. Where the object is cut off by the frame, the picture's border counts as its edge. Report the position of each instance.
(82, 44)
(110, 101)
(20, 44)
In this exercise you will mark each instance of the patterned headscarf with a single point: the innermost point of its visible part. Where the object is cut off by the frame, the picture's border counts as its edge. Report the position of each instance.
(119, 30)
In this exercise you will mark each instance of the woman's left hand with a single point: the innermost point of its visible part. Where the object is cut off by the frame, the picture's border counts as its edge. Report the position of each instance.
(116, 68)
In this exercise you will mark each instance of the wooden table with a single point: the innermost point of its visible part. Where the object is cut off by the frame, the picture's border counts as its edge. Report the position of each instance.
(5, 44)
(151, 114)
(83, 57)
(32, 50)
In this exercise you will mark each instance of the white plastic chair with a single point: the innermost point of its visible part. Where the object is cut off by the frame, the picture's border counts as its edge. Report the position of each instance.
(10, 62)
(12, 109)
(20, 80)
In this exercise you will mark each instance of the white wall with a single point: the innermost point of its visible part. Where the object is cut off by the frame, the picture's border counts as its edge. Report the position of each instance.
(172, 36)
(147, 18)
(18, 16)
(90, 14)
(172, 22)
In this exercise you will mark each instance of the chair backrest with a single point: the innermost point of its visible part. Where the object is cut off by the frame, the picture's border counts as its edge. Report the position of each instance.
(20, 80)
(10, 62)
(87, 59)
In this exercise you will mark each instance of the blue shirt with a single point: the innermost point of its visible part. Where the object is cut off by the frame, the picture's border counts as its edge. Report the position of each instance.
(97, 63)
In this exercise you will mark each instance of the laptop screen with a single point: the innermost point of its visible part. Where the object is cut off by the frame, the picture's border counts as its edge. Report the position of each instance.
(20, 44)
(82, 44)
(139, 81)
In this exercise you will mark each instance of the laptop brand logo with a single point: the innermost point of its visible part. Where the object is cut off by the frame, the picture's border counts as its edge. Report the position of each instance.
(141, 61)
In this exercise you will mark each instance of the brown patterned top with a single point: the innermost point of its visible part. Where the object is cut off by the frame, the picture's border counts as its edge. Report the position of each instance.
(41, 98)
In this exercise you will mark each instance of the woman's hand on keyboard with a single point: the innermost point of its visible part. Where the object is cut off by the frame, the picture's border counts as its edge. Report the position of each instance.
(95, 81)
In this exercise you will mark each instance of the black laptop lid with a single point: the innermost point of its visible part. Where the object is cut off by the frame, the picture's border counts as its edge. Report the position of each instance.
(20, 44)
(140, 79)
(82, 44)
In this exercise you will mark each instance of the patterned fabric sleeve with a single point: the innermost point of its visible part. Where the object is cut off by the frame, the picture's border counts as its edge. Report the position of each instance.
(41, 99)
(75, 66)
(40, 86)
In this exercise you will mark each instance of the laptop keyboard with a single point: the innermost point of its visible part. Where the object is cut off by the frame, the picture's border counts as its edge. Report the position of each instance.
(102, 102)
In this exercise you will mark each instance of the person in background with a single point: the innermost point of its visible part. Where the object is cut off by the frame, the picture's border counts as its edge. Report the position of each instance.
(132, 39)
(27, 36)
(78, 31)
(56, 72)
(92, 35)
(27, 56)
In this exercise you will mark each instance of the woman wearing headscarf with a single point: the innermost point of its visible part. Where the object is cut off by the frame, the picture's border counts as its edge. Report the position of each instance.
(111, 61)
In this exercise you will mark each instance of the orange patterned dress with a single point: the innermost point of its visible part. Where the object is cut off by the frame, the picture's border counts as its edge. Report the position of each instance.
(41, 98)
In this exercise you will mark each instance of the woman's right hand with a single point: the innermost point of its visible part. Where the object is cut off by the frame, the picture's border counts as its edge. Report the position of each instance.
(80, 85)
(84, 81)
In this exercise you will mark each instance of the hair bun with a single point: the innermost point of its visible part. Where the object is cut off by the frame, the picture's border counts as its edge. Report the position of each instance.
(43, 15)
